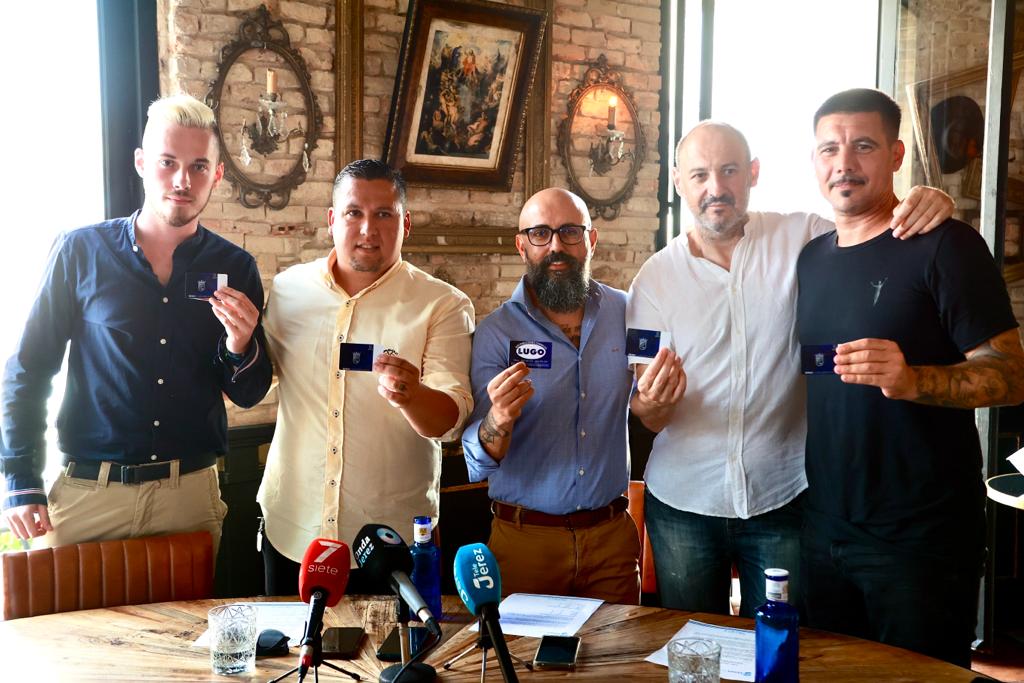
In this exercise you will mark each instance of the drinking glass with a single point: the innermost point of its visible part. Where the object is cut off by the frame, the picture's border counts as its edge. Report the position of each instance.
(693, 660)
(232, 639)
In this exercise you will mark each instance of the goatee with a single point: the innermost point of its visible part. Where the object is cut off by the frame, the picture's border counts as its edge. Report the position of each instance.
(563, 292)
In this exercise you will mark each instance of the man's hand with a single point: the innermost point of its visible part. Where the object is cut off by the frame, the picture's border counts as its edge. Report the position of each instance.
(398, 380)
(659, 387)
(509, 391)
(877, 363)
(662, 383)
(28, 521)
(923, 210)
(238, 315)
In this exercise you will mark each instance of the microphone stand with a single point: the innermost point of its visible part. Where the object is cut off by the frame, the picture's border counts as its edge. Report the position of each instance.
(417, 672)
(316, 643)
(484, 643)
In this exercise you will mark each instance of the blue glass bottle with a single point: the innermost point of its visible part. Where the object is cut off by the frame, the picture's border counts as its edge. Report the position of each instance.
(776, 633)
(426, 564)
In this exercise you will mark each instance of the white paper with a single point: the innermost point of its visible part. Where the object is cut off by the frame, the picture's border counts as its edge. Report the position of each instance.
(525, 614)
(287, 617)
(737, 644)
(1017, 460)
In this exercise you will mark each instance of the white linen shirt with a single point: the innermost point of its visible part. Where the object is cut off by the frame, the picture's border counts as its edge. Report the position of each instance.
(735, 444)
(342, 456)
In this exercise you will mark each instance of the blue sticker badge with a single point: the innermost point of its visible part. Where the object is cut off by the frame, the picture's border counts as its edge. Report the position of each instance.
(356, 357)
(536, 354)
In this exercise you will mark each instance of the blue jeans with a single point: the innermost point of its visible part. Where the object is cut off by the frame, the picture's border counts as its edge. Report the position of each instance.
(694, 554)
(925, 604)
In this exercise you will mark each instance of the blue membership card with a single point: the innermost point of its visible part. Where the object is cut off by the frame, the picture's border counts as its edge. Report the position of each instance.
(536, 354)
(818, 359)
(358, 357)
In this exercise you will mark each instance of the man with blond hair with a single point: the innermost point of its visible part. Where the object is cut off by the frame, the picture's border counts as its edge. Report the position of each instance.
(143, 418)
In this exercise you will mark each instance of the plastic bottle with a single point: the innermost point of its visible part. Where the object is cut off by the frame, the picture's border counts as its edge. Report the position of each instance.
(426, 564)
(776, 633)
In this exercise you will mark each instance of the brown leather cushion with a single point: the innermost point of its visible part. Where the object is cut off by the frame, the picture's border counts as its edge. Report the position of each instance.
(107, 573)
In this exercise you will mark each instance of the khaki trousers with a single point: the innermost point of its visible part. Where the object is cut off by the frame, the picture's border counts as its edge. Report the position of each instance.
(83, 510)
(601, 561)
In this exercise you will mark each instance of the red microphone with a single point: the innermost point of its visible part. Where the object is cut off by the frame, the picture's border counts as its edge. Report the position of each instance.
(323, 576)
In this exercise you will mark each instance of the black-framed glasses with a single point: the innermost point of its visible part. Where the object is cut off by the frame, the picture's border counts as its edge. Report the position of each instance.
(540, 235)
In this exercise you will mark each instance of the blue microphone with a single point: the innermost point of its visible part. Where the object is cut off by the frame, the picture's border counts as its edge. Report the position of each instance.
(478, 582)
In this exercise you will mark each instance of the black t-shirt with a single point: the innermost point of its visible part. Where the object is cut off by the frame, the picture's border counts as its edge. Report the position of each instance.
(900, 473)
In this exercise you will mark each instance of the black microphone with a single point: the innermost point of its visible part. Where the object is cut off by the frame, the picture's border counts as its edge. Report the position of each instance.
(384, 557)
(478, 582)
(323, 576)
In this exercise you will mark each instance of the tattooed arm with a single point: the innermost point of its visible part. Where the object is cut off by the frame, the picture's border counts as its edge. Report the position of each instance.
(992, 375)
(509, 391)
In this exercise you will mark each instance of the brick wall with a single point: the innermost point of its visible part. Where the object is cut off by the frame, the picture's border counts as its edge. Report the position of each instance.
(628, 32)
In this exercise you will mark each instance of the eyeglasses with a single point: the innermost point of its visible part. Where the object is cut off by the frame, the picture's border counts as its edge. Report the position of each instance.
(540, 235)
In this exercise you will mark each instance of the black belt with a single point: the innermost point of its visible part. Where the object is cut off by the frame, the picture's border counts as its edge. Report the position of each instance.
(136, 474)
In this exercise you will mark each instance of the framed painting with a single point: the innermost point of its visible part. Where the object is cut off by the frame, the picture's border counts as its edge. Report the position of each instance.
(464, 80)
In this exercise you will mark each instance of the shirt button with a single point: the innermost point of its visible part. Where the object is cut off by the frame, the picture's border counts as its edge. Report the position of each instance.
(338, 374)
(156, 423)
(166, 299)
(341, 337)
(334, 449)
(331, 520)
(332, 482)
(583, 433)
(348, 304)
(163, 341)
(135, 248)
(153, 457)
(160, 381)
(579, 507)
(583, 394)
(581, 471)
(335, 413)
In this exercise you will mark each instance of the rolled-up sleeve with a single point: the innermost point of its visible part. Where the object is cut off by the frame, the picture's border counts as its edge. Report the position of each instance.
(490, 356)
(446, 358)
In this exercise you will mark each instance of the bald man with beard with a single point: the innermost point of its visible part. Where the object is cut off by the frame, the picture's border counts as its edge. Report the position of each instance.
(548, 430)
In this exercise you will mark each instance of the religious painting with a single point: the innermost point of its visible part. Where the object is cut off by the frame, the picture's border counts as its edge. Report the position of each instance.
(464, 80)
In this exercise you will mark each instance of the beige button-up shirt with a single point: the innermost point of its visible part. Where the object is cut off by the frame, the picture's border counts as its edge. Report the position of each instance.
(342, 456)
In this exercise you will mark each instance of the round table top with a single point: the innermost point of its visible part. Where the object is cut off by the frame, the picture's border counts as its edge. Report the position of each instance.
(154, 643)
(1007, 489)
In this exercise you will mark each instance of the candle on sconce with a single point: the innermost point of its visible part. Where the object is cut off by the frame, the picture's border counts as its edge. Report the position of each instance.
(613, 102)
(271, 82)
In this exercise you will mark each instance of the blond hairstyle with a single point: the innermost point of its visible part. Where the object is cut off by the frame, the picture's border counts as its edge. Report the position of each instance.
(183, 110)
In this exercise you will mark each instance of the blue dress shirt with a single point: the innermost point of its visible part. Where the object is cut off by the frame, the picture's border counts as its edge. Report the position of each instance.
(145, 369)
(568, 450)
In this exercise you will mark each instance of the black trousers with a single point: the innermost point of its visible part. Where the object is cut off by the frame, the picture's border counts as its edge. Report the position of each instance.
(281, 575)
(919, 603)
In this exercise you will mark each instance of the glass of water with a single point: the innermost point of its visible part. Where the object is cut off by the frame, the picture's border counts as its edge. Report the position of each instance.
(232, 639)
(693, 660)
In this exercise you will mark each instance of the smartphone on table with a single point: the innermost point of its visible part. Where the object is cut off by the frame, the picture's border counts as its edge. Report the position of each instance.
(557, 652)
(342, 642)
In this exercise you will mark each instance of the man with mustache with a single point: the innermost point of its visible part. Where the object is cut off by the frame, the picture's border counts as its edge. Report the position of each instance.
(372, 355)
(727, 400)
(143, 417)
(894, 532)
(551, 439)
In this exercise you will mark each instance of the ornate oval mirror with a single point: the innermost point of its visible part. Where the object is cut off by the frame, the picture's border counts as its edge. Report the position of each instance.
(268, 116)
(601, 141)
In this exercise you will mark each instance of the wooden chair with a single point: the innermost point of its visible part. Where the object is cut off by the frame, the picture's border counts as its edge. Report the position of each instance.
(107, 574)
(648, 581)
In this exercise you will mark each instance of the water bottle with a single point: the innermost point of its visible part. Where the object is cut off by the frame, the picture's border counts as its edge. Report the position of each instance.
(426, 565)
(776, 633)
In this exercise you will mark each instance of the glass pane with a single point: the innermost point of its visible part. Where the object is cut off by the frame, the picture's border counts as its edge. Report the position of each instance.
(768, 83)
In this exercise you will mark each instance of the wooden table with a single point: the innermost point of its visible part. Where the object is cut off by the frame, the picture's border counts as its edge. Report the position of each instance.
(153, 643)
(1007, 489)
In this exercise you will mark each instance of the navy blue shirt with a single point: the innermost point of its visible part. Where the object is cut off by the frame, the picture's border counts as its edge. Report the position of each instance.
(145, 370)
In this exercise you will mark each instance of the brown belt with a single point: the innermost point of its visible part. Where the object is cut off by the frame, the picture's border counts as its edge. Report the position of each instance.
(574, 520)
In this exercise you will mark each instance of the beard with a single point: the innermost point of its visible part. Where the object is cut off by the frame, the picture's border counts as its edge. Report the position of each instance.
(563, 292)
(179, 216)
(720, 227)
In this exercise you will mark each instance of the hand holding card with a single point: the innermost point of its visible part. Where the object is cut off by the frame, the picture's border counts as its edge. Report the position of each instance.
(643, 345)
(398, 380)
(662, 383)
(237, 314)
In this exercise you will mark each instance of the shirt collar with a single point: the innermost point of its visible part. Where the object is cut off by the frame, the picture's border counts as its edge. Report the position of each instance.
(186, 248)
(328, 275)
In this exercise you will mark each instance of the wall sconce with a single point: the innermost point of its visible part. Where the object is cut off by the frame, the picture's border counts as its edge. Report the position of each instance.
(269, 131)
(269, 181)
(601, 141)
(605, 154)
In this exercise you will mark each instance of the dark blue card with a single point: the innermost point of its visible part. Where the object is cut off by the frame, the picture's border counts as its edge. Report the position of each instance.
(356, 357)
(818, 359)
(202, 285)
(536, 354)
(642, 343)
